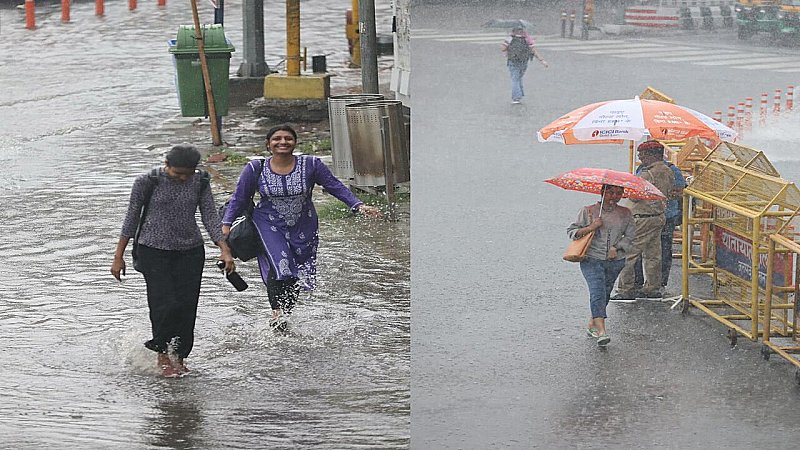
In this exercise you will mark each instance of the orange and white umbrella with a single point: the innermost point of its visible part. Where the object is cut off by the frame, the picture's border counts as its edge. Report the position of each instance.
(615, 121)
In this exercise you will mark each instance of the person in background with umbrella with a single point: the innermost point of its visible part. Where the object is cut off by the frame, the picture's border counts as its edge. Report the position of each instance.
(649, 218)
(614, 233)
(519, 49)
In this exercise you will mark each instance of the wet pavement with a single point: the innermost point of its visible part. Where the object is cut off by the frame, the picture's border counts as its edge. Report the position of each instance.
(499, 353)
(86, 107)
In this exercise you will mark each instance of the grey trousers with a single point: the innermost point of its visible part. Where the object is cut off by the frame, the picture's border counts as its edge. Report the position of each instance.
(647, 247)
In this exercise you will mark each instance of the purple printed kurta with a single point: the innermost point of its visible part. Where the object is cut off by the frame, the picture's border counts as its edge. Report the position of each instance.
(285, 217)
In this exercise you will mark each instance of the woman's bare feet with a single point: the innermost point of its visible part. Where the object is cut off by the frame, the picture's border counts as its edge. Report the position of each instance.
(181, 366)
(166, 367)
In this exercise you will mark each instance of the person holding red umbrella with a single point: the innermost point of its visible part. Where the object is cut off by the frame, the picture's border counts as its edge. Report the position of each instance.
(614, 232)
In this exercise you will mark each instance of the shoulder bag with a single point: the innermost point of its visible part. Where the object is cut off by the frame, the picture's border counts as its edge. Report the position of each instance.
(243, 239)
(576, 250)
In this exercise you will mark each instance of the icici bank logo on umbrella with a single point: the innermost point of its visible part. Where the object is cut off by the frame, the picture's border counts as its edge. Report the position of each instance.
(608, 133)
(676, 133)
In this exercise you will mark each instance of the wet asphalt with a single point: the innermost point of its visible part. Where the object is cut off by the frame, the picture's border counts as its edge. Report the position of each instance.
(499, 353)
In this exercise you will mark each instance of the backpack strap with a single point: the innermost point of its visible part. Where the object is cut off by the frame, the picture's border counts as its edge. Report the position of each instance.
(152, 179)
(148, 193)
(258, 175)
(205, 181)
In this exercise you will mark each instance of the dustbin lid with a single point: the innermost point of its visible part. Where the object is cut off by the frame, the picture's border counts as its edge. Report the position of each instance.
(214, 40)
(374, 104)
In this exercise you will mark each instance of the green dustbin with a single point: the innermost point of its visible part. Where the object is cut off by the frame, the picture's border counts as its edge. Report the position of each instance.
(189, 76)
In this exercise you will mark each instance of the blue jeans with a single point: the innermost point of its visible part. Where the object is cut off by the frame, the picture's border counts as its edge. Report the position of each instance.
(517, 70)
(600, 276)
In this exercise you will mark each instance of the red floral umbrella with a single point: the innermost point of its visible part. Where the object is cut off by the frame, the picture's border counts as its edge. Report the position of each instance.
(592, 180)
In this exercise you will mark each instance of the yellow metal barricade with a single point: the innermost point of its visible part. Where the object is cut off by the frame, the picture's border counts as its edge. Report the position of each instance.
(746, 206)
(781, 300)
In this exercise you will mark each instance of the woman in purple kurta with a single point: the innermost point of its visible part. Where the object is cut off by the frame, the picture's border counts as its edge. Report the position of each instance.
(285, 216)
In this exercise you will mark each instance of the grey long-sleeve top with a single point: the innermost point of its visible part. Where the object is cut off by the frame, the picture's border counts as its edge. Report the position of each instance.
(170, 223)
(618, 230)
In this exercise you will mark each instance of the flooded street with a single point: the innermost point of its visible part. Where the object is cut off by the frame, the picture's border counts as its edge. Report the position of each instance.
(86, 107)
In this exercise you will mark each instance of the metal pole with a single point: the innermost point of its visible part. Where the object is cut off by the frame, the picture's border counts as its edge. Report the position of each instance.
(212, 110)
(293, 38)
(369, 46)
(355, 58)
(219, 12)
(219, 18)
(254, 64)
(388, 169)
(686, 243)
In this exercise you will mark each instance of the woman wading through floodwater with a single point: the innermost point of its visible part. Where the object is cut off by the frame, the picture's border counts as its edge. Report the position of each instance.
(170, 251)
(286, 218)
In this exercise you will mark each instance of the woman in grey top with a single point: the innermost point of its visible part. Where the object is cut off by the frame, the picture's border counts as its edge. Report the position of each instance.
(614, 230)
(170, 251)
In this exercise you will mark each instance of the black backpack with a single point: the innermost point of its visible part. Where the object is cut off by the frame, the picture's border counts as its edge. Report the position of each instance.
(518, 49)
(152, 178)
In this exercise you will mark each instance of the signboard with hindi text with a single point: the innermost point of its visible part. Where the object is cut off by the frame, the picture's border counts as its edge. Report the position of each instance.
(735, 255)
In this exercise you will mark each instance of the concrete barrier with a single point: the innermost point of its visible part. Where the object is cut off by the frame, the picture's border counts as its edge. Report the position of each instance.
(705, 16)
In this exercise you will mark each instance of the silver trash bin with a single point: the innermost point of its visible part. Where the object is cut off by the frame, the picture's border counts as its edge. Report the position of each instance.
(366, 141)
(340, 139)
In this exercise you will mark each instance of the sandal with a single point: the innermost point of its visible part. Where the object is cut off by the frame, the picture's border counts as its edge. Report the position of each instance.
(603, 340)
(592, 333)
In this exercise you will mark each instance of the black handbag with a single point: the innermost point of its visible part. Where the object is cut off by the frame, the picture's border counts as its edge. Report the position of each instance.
(243, 239)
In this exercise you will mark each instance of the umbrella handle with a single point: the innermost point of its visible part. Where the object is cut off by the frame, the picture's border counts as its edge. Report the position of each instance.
(602, 199)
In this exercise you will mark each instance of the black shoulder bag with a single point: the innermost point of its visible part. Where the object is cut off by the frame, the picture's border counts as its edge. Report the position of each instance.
(243, 238)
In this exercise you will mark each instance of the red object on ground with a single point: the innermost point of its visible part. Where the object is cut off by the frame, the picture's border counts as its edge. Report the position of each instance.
(64, 11)
(731, 116)
(30, 14)
(591, 180)
(748, 113)
(99, 8)
(217, 157)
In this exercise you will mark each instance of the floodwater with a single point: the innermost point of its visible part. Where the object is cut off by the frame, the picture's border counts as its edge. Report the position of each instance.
(85, 107)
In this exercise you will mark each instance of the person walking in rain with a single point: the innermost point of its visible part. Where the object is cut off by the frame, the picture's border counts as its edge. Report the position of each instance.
(286, 218)
(649, 218)
(170, 250)
(614, 233)
(519, 49)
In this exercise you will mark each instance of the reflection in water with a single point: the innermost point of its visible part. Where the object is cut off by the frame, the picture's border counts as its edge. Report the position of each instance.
(176, 424)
